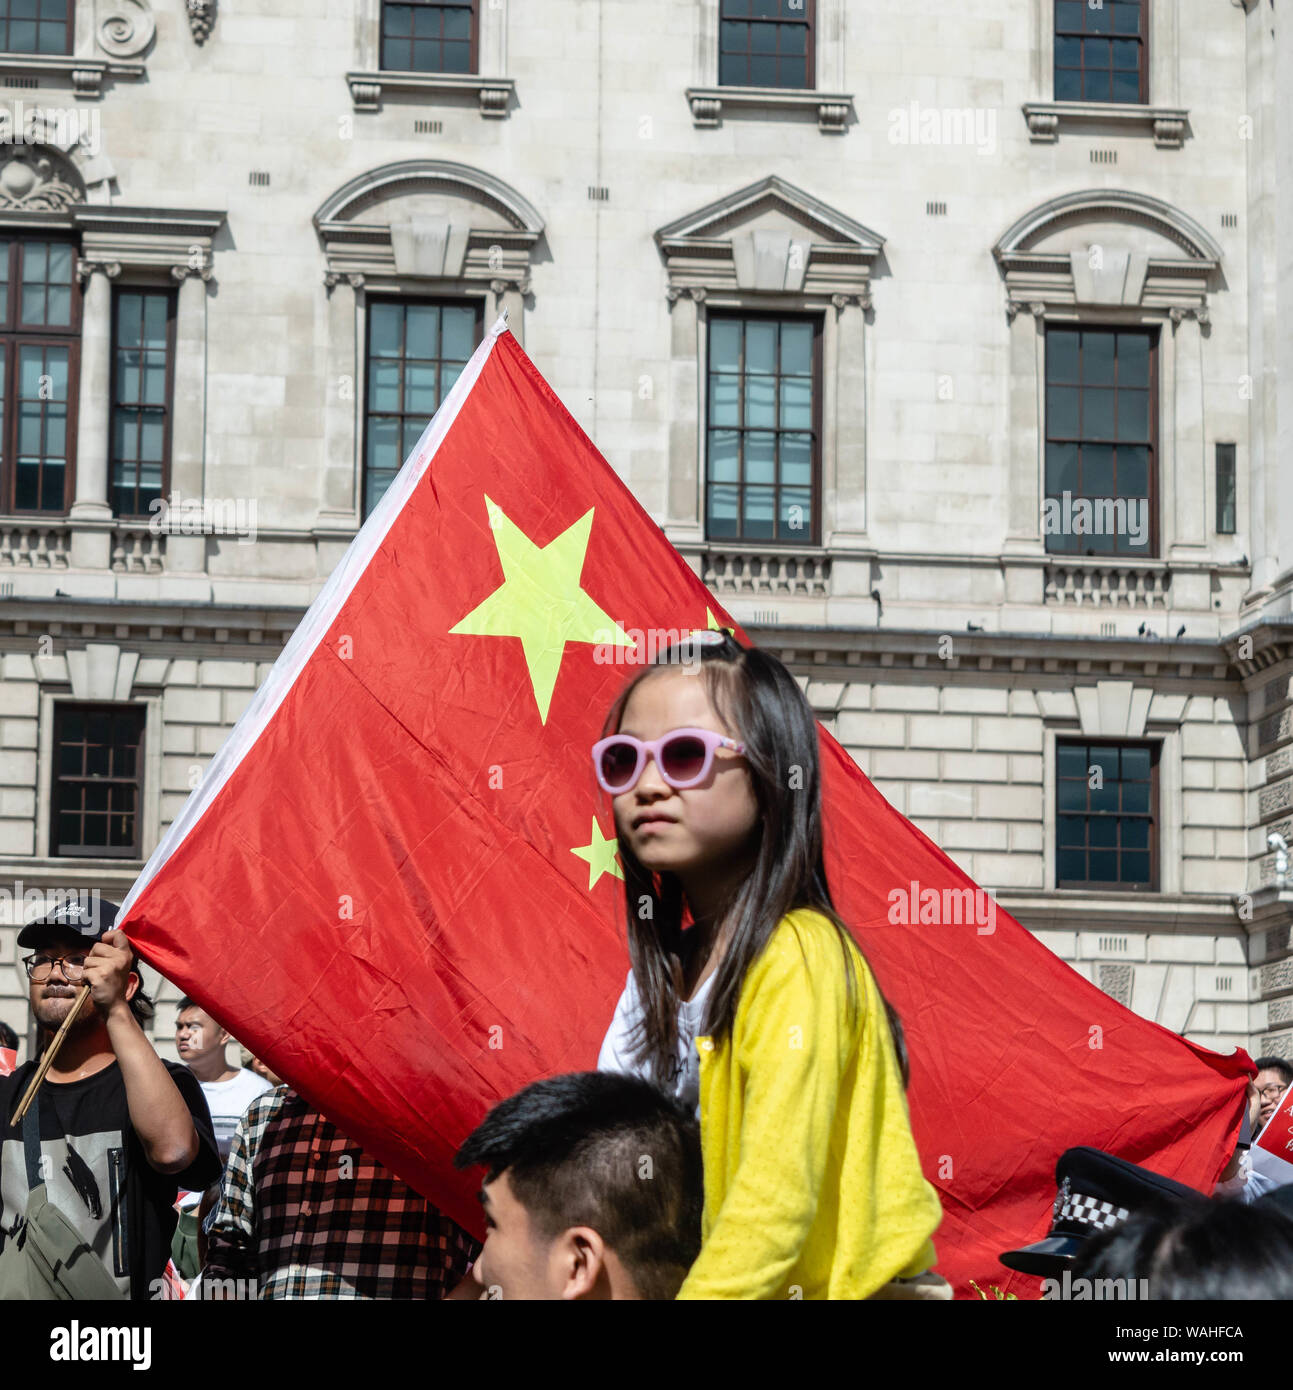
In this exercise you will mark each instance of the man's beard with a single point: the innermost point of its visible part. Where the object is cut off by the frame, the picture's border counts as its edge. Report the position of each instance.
(50, 1011)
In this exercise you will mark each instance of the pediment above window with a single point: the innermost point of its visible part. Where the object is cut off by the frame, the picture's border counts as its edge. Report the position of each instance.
(429, 219)
(1108, 247)
(769, 238)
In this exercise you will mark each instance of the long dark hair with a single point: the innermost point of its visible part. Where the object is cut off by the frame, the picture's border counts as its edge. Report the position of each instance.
(758, 698)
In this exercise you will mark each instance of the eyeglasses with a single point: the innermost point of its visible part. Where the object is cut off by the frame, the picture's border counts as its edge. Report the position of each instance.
(40, 968)
(684, 757)
(1272, 1092)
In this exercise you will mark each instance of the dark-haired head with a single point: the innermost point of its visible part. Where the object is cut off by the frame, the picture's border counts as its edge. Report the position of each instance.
(593, 1187)
(759, 704)
(1214, 1250)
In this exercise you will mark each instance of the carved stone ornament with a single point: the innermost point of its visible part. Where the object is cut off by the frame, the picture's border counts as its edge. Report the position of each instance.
(124, 28)
(32, 181)
(202, 14)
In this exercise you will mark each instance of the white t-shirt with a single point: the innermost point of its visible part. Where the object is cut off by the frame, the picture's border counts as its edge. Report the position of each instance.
(617, 1047)
(228, 1102)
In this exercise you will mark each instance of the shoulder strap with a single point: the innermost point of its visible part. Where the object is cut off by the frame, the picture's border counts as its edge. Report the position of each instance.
(31, 1142)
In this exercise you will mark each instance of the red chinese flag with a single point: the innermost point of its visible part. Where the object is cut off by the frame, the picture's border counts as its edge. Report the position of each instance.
(397, 881)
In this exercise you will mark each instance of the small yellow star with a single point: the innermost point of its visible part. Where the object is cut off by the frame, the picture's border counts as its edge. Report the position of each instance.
(713, 625)
(541, 602)
(599, 855)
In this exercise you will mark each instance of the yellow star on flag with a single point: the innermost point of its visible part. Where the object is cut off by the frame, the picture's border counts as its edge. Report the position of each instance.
(599, 855)
(541, 602)
(713, 625)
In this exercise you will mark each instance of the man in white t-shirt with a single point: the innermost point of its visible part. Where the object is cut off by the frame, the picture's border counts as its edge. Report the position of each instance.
(229, 1090)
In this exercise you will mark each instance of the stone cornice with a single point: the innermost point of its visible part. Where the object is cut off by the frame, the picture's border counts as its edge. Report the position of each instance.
(848, 653)
(494, 95)
(832, 109)
(139, 238)
(1169, 125)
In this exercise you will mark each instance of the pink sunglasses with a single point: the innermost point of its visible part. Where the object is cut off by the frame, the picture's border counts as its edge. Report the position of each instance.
(684, 757)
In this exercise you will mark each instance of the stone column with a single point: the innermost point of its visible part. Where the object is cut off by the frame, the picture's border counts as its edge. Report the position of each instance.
(91, 513)
(338, 500)
(685, 413)
(1188, 461)
(847, 516)
(187, 554)
(1025, 464)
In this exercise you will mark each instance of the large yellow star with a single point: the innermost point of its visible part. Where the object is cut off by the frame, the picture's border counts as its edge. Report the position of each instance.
(599, 855)
(541, 602)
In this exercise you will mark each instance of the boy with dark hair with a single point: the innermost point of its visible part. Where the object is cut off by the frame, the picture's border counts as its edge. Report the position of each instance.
(593, 1189)
(229, 1089)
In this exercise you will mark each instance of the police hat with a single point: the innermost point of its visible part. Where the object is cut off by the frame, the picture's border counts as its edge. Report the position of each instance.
(1097, 1191)
(72, 917)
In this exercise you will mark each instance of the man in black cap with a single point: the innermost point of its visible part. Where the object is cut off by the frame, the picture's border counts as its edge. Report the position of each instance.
(120, 1130)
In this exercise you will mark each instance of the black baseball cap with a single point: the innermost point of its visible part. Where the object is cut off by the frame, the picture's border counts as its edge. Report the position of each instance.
(72, 917)
(1097, 1191)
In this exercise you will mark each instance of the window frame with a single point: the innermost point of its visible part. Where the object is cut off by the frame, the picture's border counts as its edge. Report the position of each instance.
(69, 24)
(473, 302)
(473, 66)
(809, 23)
(1156, 750)
(14, 336)
(172, 316)
(60, 710)
(1142, 73)
(813, 539)
(1153, 488)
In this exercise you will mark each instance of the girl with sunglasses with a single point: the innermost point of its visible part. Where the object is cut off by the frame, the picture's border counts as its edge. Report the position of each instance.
(747, 995)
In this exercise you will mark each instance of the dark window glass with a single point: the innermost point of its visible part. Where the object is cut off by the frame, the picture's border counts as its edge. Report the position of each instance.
(1100, 473)
(40, 307)
(143, 333)
(1106, 810)
(766, 43)
(419, 36)
(98, 782)
(762, 447)
(36, 26)
(1101, 51)
(415, 351)
(1225, 489)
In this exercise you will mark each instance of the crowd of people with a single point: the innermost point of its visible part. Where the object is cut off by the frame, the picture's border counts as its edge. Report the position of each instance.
(745, 1136)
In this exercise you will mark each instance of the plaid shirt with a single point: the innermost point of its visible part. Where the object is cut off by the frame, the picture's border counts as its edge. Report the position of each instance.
(305, 1213)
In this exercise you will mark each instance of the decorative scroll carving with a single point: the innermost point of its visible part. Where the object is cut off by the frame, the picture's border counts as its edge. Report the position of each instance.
(124, 27)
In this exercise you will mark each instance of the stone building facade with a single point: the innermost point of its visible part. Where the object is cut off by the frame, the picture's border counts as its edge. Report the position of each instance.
(227, 225)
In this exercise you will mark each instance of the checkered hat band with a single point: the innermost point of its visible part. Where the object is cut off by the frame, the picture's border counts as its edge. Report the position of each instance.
(1090, 1211)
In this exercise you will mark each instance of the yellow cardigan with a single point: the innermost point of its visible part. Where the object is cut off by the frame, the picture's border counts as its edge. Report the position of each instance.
(813, 1187)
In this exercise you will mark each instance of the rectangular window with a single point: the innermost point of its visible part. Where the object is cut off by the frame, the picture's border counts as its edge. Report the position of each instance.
(763, 445)
(1225, 489)
(40, 310)
(416, 349)
(98, 781)
(1106, 814)
(766, 43)
(1101, 51)
(36, 26)
(422, 36)
(1101, 405)
(143, 352)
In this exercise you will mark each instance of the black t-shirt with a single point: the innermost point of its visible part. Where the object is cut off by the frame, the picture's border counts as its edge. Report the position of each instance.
(96, 1173)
